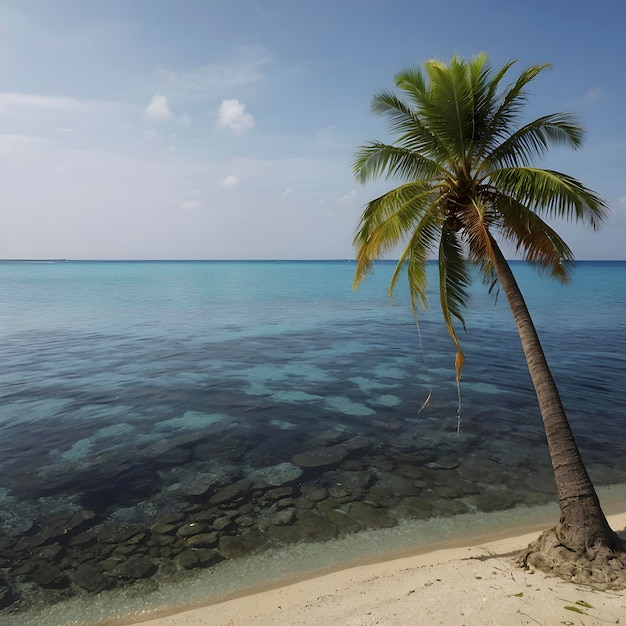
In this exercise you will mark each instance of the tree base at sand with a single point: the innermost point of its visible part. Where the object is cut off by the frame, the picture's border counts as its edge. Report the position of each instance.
(602, 565)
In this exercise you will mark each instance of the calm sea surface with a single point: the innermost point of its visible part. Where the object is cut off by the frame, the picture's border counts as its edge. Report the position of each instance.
(272, 404)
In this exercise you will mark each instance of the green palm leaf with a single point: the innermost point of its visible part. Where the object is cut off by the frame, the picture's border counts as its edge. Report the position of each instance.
(386, 221)
(415, 257)
(533, 140)
(538, 243)
(550, 193)
(377, 160)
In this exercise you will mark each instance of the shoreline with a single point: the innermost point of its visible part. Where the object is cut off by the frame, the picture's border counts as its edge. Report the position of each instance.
(477, 583)
(497, 533)
(264, 577)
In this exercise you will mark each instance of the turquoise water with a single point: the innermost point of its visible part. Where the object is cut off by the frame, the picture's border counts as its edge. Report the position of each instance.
(134, 391)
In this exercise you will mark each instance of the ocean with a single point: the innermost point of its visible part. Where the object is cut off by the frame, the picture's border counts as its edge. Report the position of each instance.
(165, 424)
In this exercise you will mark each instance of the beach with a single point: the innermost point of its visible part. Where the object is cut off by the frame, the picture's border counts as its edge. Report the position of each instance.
(471, 585)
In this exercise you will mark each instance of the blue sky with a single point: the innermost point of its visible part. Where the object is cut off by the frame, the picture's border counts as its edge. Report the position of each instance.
(226, 129)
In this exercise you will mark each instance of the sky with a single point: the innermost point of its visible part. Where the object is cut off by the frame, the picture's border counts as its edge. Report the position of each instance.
(226, 129)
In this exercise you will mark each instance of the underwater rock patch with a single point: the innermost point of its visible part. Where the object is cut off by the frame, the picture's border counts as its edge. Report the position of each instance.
(452, 486)
(91, 578)
(331, 455)
(354, 481)
(399, 485)
(203, 540)
(314, 493)
(492, 500)
(382, 496)
(48, 575)
(192, 528)
(369, 516)
(120, 533)
(413, 508)
(232, 492)
(479, 470)
(62, 525)
(164, 529)
(8, 595)
(344, 523)
(444, 463)
(198, 557)
(310, 526)
(135, 568)
(233, 547)
(321, 457)
(275, 475)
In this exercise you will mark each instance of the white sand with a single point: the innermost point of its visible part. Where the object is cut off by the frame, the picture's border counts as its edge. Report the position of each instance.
(468, 586)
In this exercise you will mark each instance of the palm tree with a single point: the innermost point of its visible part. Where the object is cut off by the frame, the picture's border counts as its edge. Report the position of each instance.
(464, 160)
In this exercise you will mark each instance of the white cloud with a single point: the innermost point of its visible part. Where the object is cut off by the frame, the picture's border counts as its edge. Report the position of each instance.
(346, 197)
(232, 115)
(63, 129)
(325, 138)
(193, 203)
(230, 182)
(150, 135)
(49, 108)
(287, 192)
(10, 142)
(246, 66)
(12, 101)
(159, 108)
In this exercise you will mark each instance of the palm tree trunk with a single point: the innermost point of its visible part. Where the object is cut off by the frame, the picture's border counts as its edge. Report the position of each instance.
(583, 525)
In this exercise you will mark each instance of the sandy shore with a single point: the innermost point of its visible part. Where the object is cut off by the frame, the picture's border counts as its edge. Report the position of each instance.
(471, 586)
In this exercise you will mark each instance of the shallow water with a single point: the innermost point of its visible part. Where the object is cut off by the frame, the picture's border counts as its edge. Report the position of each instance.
(134, 391)
(281, 566)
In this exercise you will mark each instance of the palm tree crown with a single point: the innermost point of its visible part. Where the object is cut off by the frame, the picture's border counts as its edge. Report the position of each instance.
(467, 165)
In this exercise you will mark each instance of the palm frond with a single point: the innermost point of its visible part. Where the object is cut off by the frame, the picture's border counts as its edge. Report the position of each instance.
(399, 115)
(450, 110)
(539, 244)
(415, 256)
(454, 275)
(376, 160)
(386, 221)
(477, 225)
(410, 126)
(484, 92)
(488, 276)
(454, 278)
(550, 193)
(413, 83)
(532, 141)
(510, 104)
